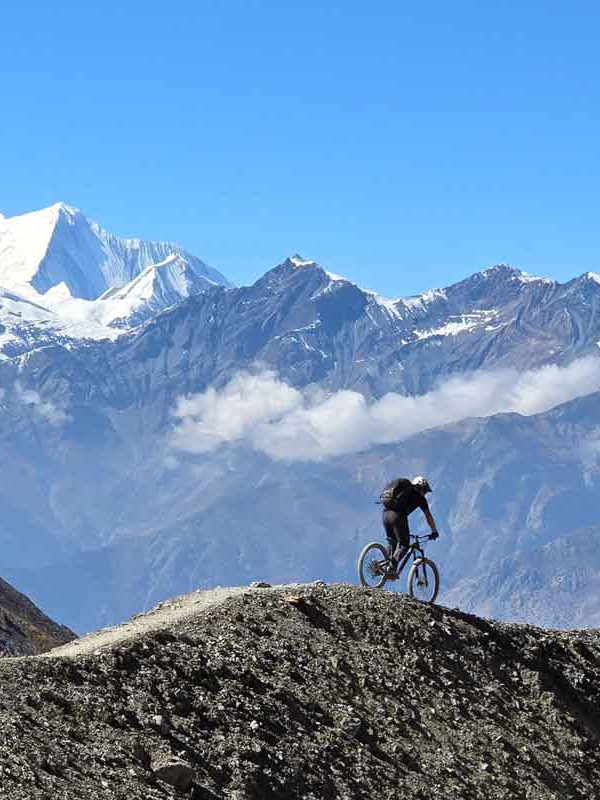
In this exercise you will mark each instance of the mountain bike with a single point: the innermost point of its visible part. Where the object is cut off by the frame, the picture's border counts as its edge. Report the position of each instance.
(375, 568)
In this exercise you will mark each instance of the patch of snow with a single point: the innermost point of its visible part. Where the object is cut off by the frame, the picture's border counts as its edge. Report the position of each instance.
(515, 274)
(593, 276)
(388, 305)
(425, 299)
(24, 241)
(334, 281)
(332, 276)
(526, 277)
(454, 326)
(298, 261)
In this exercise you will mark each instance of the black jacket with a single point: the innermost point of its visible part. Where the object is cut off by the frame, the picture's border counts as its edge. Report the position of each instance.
(407, 498)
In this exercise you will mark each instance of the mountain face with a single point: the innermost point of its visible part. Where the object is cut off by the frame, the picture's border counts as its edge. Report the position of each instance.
(24, 629)
(305, 692)
(557, 584)
(88, 389)
(64, 273)
(314, 328)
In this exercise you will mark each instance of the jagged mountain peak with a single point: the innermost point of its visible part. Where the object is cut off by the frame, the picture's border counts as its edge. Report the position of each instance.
(507, 271)
(48, 215)
(58, 260)
(59, 244)
(298, 261)
(502, 267)
(65, 208)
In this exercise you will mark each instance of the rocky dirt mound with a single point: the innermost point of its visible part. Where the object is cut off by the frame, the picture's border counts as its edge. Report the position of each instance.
(308, 692)
(24, 629)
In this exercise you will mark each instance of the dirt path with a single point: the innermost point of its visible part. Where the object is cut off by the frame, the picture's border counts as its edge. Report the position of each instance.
(165, 615)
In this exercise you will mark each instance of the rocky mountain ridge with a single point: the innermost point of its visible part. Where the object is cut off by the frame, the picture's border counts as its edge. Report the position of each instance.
(312, 328)
(24, 629)
(308, 692)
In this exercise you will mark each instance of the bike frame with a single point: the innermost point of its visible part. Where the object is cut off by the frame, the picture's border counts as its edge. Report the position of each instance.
(415, 550)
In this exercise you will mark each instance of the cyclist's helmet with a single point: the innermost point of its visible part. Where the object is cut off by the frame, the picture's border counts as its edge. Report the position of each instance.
(421, 484)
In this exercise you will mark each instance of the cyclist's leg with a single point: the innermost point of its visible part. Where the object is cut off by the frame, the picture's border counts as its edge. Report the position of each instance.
(402, 535)
(389, 524)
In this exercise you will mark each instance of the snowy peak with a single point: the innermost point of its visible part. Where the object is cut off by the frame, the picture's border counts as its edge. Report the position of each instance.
(24, 242)
(298, 262)
(59, 245)
(63, 276)
(158, 287)
(507, 273)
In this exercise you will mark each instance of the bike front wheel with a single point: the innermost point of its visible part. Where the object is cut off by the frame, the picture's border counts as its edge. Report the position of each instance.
(372, 565)
(424, 581)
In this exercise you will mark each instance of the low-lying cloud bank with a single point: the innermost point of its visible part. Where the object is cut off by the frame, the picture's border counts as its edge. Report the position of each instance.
(267, 414)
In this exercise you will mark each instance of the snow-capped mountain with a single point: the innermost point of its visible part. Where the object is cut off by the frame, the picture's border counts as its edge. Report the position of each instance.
(79, 281)
(87, 413)
(312, 327)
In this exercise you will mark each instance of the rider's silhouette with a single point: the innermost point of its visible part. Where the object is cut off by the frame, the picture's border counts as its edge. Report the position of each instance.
(400, 498)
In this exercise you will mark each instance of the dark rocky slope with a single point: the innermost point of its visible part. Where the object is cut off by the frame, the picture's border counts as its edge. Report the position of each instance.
(24, 629)
(342, 694)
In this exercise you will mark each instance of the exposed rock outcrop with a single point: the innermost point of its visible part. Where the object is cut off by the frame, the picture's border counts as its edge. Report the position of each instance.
(24, 629)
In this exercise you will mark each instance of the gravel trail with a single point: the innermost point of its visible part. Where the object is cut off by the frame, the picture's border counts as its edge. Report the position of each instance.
(164, 615)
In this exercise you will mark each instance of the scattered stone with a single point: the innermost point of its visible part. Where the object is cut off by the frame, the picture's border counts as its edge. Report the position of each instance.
(351, 689)
(260, 585)
(181, 699)
(293, 599)
(141, 755)
(174, 772)
(161, 724)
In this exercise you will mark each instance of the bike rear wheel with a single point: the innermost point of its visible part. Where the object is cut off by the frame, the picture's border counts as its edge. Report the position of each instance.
(372, 565)
(424, 581)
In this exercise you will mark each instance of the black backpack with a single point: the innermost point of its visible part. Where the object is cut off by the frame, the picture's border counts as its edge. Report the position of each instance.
(393, 494)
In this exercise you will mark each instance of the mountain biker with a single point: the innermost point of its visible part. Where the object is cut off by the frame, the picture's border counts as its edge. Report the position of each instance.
(400, 498)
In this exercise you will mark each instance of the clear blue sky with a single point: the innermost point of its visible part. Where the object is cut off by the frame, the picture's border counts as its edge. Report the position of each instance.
(402, 144)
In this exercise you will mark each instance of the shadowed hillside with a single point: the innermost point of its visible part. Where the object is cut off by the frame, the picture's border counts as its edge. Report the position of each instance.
(24, 629)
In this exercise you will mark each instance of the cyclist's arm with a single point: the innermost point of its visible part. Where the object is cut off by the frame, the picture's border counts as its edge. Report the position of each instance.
(430, 520)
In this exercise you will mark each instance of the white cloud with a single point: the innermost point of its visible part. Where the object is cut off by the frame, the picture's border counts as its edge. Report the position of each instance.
(233, 413)
(45, 410)
(286, 424)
